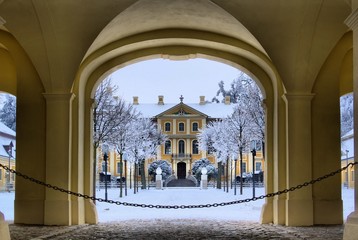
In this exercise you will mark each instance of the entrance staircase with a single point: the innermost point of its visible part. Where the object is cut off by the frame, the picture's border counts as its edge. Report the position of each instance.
(181, 183)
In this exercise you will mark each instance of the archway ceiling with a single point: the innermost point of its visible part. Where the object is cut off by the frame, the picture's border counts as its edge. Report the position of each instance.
(297, 35)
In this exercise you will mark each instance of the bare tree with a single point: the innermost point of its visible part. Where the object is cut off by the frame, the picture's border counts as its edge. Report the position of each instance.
(110, 114)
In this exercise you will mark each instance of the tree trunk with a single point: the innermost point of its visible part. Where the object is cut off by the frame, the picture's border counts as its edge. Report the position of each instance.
(218, 182)
(142, 171)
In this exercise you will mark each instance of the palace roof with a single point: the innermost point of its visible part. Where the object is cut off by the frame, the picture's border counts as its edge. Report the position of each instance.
(212, 110)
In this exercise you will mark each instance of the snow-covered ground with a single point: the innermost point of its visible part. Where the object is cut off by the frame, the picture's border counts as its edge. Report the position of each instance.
(109, 212)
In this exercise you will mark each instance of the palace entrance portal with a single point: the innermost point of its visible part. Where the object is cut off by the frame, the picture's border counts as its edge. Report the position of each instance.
(181, 168)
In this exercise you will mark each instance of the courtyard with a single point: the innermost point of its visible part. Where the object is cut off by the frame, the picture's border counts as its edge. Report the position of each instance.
(239, 221)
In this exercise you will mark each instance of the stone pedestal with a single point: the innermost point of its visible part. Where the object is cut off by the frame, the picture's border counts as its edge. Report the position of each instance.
(204, 181)
(158, 181)
(4, 228)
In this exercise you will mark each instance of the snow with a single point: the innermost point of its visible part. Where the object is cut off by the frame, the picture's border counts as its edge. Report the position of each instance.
(177, 196)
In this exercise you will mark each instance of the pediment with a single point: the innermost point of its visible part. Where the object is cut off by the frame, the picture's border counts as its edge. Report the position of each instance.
(181, 109)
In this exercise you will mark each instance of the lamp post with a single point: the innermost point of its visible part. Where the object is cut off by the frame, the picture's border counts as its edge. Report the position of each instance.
(120, 174)
(235, 165)
(241, 180)
(8, 175)
(125, 173)
(253, 151)
(105, 150)
(347, 151)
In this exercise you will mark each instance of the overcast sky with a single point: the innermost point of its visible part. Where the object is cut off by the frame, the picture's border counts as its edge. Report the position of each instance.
(190, 78)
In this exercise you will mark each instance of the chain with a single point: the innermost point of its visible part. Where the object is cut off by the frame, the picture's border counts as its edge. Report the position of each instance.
(269, 195)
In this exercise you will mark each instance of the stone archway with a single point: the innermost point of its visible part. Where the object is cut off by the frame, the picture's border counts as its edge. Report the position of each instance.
(179, 43)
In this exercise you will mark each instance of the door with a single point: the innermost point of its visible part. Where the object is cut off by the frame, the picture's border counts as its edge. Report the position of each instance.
(181, 168)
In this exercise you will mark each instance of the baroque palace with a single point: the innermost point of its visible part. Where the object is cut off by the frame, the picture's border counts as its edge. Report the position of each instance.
(181, 123)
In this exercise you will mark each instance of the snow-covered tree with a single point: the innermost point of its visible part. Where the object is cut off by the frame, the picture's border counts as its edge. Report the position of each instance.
(8, 112)
(110, 116)
(143, 143)
(163, 164)
(246, 94)
(199, 164)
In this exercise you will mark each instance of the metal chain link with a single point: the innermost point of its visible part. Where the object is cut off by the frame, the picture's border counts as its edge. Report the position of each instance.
(291, 189)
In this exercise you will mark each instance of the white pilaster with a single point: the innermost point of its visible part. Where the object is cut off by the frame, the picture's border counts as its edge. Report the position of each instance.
(299, 204)
(58, 158)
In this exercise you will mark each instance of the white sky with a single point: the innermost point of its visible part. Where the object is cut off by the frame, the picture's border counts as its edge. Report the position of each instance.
(190, 78)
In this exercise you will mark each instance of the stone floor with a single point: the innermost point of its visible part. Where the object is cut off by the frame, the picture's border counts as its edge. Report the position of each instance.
(176, 229)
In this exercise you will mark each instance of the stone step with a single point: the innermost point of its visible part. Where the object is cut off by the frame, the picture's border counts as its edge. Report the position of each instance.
(181, 183)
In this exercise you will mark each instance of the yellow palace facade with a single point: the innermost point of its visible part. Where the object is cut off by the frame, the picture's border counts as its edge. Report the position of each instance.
(181, 123)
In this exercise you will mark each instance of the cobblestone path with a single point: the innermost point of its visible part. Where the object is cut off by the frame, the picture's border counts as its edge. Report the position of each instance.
(176, 229)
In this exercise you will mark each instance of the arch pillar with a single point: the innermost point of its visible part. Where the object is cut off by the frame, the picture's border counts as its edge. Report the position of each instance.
(351, 225)
(4, 228)
(299, 203)
(58, 158)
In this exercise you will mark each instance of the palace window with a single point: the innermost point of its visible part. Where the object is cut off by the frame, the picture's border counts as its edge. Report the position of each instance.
(195, 147)
(195, 127)
(168, 147)
(181, 127)
(167, 127)
(104, 167)
(181, 147)
(258, 166)
(243, 167)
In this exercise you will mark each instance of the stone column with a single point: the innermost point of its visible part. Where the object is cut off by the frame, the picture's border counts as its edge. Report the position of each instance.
(58, 158)
(299, 204)
(351, 225)
(4, 228)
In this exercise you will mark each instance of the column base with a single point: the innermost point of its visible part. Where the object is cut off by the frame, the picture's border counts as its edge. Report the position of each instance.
(328, 212)
(267, 213)
(299, 212)
(279, 211)
(91, 216)
(57, 212)
(78, 211)
(29, 211)
(351, 227)
(4, 228)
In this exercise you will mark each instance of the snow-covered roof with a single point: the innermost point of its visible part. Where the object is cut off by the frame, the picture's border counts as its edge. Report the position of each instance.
(348, 134)
(212, 110)
(7, 136)
(5, 129)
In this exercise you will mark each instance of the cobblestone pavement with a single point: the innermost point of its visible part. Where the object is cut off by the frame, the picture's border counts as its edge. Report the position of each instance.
(176, 229)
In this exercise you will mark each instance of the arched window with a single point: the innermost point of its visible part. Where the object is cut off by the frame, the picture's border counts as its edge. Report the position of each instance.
(181, 147)
(181, 127)
(167, 127)
(168, 147)
(195, 127)
(195, 147)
